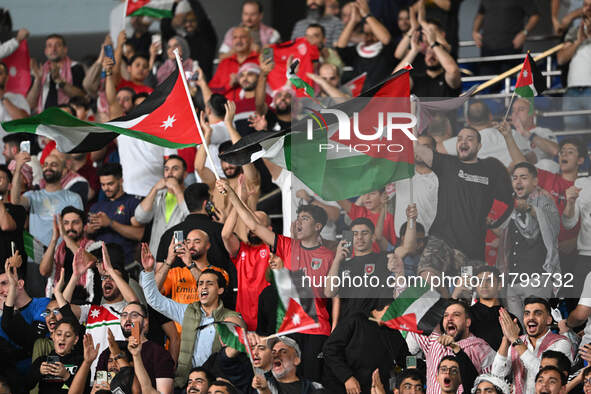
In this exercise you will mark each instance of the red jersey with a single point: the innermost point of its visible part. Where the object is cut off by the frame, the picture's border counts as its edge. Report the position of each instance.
(124, 83)
(299, 48)
(556, 185)
(251, 263)
(220, 83)
(357, 211)
(315, 263)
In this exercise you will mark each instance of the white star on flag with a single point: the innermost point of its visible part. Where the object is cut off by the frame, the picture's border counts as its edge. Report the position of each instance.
(296, 319)
(94, 313)
(168, 122)
(524, 73)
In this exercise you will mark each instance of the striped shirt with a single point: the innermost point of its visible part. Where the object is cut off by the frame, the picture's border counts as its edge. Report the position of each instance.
(481, 354)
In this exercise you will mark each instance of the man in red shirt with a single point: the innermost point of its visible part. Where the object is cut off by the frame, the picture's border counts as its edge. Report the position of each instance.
(251, 260)
(373, 203)
(304, 253)
(225, 77)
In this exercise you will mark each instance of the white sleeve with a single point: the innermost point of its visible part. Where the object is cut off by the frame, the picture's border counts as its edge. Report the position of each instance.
(501, 366)
(8, 47)
(84, 309)
(18, 100)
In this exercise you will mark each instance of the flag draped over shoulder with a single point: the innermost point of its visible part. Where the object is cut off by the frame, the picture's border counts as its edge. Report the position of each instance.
(165, 118)
(152, 8)
(416, 309)
(342, 171)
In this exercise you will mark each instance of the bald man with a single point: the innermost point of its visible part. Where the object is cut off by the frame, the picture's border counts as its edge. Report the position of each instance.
(178, 280)
(251, 260)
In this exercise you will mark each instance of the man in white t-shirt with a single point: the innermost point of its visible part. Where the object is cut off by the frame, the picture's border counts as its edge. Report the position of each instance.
(541, 140)
(425, 185)
(12, 105)
(493, 143)
(581, 313)
(577, 52)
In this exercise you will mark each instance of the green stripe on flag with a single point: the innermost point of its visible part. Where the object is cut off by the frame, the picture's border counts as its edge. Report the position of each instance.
(55, 123)
(229, 336)
(152, 12)
(404, 301)
(33, 247)
(301, 84)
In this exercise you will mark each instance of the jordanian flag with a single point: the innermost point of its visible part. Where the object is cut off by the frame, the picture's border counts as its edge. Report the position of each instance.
(152, 8)
(165, 118)
(530, 82)
(295, 312)
(356, 84)
(343, 171)
(417, 309)
(234, 336)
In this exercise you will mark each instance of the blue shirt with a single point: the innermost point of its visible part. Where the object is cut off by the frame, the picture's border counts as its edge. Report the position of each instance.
(30, 313)
(120, 210)
(43, 205)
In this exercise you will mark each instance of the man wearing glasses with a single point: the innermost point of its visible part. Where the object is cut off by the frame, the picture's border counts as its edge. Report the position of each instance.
(448, 375)
(157, 361)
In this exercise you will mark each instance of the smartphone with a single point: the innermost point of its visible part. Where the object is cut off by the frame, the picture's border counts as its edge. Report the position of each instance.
(135, 331)
(157, 38)
(348, 237)
(101, 377)
(411, 362)
(210, 209)
(26, 146)
(466, 271)
(267, 54)
(53, 359)
(178, 239)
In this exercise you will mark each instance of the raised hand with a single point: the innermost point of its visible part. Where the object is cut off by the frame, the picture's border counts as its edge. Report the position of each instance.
(230, 107)
(376, 383)
(148, 260)
(90, 351)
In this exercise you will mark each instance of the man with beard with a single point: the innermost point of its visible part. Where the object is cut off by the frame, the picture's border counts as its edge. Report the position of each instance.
(277, 115)
(571, 155)
(244, 95)
(113, 220)
(315, 14)
(199, 381)
(467, 188)
(529, 243)
(58, 79)
(231, 172)
(116, 294)
(199, 339)
(12, 218)
(315, 35)
(521, 355)
(225, 77)
(485, 312)
(375, 54)
(282, 377)
(456, 330)
(157, 362)
(45, 203)
(165, 205)
(69, 226)
(302, 253)
(442, 74)
(251, 259)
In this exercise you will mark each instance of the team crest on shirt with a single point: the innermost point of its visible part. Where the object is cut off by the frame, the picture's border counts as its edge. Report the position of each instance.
(369, 268)
(263, 253)
(315, 263)
(120, 210)
(302, 49)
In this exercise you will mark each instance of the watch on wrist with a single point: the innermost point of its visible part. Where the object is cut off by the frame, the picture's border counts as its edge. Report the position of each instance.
(435, 44)
(61, 84)
(531, 136)
(364, 18)
(193, 265)
(517, 342)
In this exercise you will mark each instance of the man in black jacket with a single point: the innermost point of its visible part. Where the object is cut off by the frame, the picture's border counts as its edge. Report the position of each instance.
(357, 347)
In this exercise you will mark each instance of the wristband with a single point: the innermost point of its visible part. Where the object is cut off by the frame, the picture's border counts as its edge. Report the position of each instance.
(364, 18)
(61, 84)
(435, 44)
(193, 265)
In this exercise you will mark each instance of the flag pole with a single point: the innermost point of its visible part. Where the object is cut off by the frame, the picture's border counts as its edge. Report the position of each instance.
(182, 74)
(509, 108)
